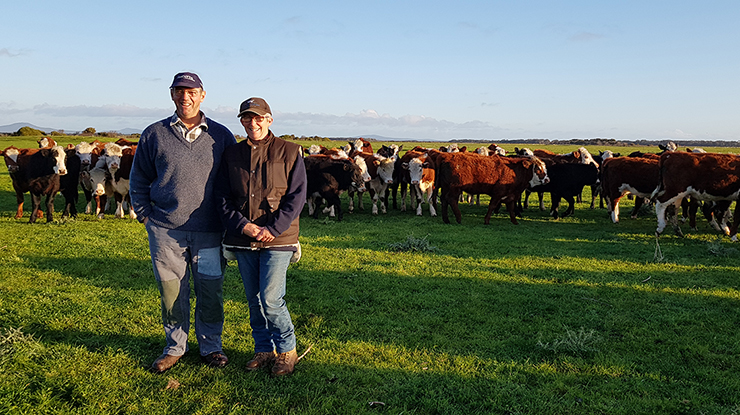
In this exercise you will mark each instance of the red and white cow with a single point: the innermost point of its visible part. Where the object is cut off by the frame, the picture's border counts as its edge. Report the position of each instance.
(421, 170)
(380, 172)
(502, 178)
(89, 153)
(361, 145)
(622, 175)
(110, 177)
(704, 176)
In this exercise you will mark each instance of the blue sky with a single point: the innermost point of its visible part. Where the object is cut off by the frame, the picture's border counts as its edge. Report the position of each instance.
(424, 70)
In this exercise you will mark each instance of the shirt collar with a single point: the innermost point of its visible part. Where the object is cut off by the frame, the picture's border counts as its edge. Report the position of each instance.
(175, 120)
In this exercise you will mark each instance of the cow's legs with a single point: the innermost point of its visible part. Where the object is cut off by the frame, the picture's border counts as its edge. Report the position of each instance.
(735, 221)
(571, 206)
(49, 207)
(541, 196)
(613, 207)
(555, 205)
(19, 200)
(35, 205)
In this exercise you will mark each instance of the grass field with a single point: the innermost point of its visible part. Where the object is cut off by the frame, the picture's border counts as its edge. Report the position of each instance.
(403, 315)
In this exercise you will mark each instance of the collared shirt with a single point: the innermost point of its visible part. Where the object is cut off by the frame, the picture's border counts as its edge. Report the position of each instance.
(192, 134)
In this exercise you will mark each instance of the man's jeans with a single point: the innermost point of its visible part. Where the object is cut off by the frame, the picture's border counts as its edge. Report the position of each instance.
(175, 254)
(264, 274)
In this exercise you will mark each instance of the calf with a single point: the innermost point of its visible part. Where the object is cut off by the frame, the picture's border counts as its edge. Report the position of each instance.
(380, 171)
(634, 175)
(421, 171)
(502, 178)
(328, 177)
(567, 181)
(38, 172)
(705, 176)
(89, 153)
(114, 183)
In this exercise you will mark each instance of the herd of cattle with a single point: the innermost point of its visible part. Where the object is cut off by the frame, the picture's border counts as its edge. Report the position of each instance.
(671, 179)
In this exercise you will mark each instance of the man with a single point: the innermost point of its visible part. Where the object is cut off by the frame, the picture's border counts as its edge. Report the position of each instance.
(171, 191)
(260, 191)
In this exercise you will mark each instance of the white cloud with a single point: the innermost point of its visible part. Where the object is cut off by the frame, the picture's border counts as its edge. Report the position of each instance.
(11, 54)
(585, 37)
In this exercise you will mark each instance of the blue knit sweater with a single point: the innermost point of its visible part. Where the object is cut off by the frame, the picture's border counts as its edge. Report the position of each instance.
(171, 180)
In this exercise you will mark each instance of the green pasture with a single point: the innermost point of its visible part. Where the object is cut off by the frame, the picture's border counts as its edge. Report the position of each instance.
(402, 315)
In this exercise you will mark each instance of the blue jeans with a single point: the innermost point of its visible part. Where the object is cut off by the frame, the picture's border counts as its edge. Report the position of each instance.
(175, 255)
(264, 274)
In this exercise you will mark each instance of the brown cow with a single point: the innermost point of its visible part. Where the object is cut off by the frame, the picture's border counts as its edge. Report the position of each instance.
(704, 176)
(622, 175)
(502, 178)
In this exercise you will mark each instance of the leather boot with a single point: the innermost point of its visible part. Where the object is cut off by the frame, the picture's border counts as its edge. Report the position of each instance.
(260, 360)
(285, 363)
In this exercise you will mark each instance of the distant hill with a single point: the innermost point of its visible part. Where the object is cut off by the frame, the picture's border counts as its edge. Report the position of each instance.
(11, 128)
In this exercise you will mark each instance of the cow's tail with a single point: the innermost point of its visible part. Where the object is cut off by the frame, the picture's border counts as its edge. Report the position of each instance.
(660, 189)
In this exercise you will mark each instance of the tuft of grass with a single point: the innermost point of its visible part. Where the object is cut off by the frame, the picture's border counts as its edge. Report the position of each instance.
(716, 248)
(13, 340)
(576, 342)
(413, 244)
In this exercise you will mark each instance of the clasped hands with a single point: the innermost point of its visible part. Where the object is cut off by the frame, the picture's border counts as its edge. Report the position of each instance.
(259, 233)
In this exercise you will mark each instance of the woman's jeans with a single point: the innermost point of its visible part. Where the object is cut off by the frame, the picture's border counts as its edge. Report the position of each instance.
(264, 274)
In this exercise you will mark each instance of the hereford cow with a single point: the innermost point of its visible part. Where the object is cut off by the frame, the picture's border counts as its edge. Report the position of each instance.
(110, 178)
(502, 178)
(361, 145)
(38, 172)
(46, 142)
(704, 176)
(421, 172)
(380, 171)
(328, 177)
(621, 175)
(89, 153)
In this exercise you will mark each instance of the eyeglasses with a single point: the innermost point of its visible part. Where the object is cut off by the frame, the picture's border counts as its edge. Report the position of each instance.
(250, 118)
(191, 93)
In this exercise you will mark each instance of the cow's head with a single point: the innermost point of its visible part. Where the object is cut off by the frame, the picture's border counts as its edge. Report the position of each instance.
(59, 156)
(46, 142)
(540, 173)
(385, 169)
(359, 161)
(84, 151)
(358, 182)
(113, 153)
(416, 168)
(494, 149)
(585, 156)
(10, 155)
(97, 179)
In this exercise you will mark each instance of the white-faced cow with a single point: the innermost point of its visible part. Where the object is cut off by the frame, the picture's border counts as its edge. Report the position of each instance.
(704, 176)
(38, 172)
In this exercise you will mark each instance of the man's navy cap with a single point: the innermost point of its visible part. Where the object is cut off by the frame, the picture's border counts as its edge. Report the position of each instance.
(187, 80)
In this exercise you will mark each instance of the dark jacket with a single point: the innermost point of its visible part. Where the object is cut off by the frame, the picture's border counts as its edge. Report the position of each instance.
(263, 182)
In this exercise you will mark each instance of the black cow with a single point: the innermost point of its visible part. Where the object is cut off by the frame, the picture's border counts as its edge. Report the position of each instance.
(567, 182)
(327, 178)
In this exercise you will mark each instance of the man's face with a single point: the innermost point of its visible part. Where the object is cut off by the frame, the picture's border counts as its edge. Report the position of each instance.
(255, 126)
(187, 101)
